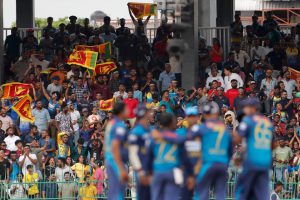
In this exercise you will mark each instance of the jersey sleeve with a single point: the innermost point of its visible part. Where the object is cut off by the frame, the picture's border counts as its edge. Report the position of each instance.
(121, 133)
(196, 131)
(243, 128)
(133, 135)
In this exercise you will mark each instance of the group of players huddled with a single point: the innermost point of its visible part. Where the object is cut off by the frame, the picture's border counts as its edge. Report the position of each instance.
(185, 163)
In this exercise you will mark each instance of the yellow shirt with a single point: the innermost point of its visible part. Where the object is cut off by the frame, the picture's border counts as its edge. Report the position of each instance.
(31, 183)
(80, 169)
(88, 192)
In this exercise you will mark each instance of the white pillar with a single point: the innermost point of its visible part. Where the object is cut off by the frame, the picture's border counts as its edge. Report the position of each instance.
(207, 13)
(1, 43)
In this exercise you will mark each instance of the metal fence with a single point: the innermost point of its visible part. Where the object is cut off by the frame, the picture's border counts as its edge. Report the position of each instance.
(222, 33)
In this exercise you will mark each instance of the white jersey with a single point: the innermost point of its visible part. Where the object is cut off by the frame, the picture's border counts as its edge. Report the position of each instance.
(274, 196)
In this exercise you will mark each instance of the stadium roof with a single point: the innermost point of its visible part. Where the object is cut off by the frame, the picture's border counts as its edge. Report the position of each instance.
(253, 5)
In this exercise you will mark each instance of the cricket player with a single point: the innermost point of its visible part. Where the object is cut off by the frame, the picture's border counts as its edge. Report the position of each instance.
(216, 152)
(138, 143)
(116, 152)
(256, 130)
(165, 158)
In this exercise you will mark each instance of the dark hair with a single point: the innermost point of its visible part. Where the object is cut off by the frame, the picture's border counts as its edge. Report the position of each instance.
(228, 67)
(278, 183)
(163, 92)
(80, 141)
(63, 160)
(166, 119)
(118, 108)
(33, 127)
(63, 105)
(18, 141)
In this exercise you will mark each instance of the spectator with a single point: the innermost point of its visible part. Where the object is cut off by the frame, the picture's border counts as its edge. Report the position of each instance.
(236, 29)
(216, 52)
(277, 190)
(5, 119)
(121, 94)
(241, 57)
(11, 139)
(41, 115)
(106, 26)
(88, 191)
(132, 105)
(27, 159)
(68, 188)
(290, 84)
(50, 188)
(63, 146)
(4, 167)
(232, 93)
(166, 77)
(12, 45)
(229, 75)
(17, 189)
(122, 30)
(281, 156)
(31, 178)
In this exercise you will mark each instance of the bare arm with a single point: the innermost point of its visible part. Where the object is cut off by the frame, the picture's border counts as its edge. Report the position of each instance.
(45, 92)
(132, 17)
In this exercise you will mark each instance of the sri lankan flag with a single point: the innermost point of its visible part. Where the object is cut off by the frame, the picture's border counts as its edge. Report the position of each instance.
(23, 108)
(141, 10)
(94, 48)
(85, 59)
(105, 50)
(295, 75)
(106, 105)
(15, 89)
(105, 68)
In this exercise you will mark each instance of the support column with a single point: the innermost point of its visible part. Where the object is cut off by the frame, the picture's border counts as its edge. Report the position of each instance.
(225, 10)
(25, 13)
(207, 13)
(190, 63)
(1, 43)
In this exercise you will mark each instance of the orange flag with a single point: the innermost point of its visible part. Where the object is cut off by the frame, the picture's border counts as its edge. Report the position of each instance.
(106, 105)
(105, 68)
(15, 89)
(141, 10)
(23, 108)
(295, 75)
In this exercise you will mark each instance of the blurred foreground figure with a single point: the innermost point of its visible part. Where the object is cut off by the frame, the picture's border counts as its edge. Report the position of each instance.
(216, 153)
(256, 129)
(116, 152)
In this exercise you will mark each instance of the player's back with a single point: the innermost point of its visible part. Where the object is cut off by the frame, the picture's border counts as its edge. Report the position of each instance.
(166, 153)
(216, 141)
(115, 129)
(257, 130)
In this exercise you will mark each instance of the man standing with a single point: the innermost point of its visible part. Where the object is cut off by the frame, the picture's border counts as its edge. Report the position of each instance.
(122, 30)
(253, 182)
(41, 115)
(4, 167)
(232, 93)
(277, 189)
(138, 144)
(166, 77)
(75, 116)
(5, 119)
(27, 159)
(216, 153)
(131, 104)
(116, 153)
(64, 122)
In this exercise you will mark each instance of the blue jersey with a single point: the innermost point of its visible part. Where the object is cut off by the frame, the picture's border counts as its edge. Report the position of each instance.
(216, 141)
(167, 154)
(116, 130)
(139, 136)
(257, 130)
(192, 145)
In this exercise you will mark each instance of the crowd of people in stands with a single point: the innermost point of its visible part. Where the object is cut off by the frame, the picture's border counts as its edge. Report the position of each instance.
(65, 142)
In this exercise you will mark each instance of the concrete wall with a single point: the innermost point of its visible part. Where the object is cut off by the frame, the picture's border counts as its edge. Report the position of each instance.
(207, 13)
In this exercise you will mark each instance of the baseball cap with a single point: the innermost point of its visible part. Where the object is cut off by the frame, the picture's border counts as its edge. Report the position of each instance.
(192, 111)
(85, 110)
(252, 82)
(211, 108)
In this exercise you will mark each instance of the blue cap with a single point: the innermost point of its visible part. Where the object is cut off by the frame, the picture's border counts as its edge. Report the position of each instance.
(141, 110)
(251, 102)
(192, 111)
(211, 108)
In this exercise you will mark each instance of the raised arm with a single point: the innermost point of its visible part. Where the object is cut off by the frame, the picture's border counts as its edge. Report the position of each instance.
(130, 13)
(45, 92)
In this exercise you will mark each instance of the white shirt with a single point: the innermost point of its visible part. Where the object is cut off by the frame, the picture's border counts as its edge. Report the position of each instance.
(92, 118)
(175, 65)
(227, 80)
(6, 122)
(43, 63)
(217, 78)
(71, 73)
(124, 96)
(258, 53)
(290, 85)
(10, 142)
(75, 116)
(241, 58)
(60, 173)
(27, 162)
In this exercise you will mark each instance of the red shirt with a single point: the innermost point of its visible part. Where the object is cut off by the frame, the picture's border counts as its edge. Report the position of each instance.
(231, 94)
(132, 104)
(212, 92)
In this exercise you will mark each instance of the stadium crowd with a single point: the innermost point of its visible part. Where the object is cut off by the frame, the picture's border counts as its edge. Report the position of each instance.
(66, 140)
